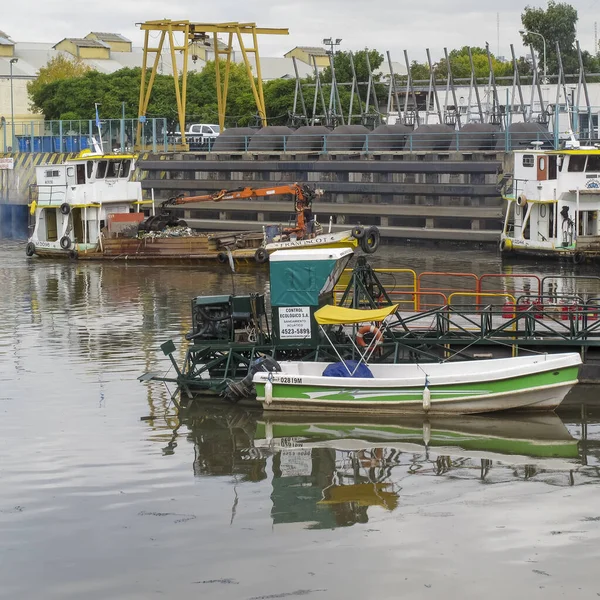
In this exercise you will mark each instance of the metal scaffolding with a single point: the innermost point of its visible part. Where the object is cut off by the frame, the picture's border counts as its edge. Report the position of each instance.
(192, 34)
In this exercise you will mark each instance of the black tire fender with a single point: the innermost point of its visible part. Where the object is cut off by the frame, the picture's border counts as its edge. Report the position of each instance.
(182, 223)
(358, 232)
(65, 208)
(65, 242)
(72, 255)
(261, 256)
(578, 258)
(371, 241)
(222, 257)
(30, 249)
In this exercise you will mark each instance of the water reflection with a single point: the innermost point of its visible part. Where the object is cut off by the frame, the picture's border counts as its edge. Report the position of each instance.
(328, 472)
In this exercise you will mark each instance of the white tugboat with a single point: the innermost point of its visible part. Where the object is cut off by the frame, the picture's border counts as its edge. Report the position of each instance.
(553, 208)
(73, 200)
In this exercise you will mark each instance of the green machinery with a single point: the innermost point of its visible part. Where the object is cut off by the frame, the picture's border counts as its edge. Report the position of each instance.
(231, 333)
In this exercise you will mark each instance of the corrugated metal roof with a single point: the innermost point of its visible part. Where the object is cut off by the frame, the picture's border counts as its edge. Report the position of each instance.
(109, 37)
(84, 43)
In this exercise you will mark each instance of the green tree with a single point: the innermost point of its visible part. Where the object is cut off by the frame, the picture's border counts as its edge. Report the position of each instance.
(343, 72)
(557, 23)
(202, 95)
(419, 71)
(279, 100)
(57, 69)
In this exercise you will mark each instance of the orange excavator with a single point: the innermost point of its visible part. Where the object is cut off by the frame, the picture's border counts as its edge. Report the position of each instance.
(303, 198)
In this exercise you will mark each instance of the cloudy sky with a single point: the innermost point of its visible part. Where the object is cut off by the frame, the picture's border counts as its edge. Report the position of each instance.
(392, 25)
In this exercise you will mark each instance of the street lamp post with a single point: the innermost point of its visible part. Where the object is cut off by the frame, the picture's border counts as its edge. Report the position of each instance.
(525, 32)
(12, 103)
(331, 43)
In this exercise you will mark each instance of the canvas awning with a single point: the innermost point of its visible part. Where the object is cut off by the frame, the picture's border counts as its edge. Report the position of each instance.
(339, 315)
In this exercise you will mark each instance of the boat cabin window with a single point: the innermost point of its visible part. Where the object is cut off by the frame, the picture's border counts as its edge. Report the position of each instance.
(51, 173)
(101, 170)
(90, 166)
(593, 164)
(80, 174)
(528, 160)
(113, 169)
(125, 166)
(577, 163)
(118, 168)
(552, 167)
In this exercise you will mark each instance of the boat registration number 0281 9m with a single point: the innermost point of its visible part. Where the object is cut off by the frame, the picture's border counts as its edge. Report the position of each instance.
(286, 379)
(294, 322)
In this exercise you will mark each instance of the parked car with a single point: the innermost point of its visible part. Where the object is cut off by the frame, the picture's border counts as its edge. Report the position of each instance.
(199, 135)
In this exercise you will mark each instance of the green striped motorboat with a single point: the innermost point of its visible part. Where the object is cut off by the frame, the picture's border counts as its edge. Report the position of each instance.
(537, 382)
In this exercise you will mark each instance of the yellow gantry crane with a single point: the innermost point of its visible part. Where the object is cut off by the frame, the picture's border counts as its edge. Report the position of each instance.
(194, 33)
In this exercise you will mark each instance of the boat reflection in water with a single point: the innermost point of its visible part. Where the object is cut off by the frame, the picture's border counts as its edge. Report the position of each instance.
(329, 472)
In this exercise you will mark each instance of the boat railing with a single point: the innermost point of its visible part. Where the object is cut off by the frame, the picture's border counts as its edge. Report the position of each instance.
(415, 301)
(468, 283)
(501, 297)
(503, 278)
(431, 289)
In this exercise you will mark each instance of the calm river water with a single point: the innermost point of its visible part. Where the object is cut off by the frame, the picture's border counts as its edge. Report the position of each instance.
(105, 494)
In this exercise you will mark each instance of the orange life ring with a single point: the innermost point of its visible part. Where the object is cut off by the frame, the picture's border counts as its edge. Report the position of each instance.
(360, 336)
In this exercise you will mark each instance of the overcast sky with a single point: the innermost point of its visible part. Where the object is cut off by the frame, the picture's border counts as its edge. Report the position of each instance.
(392, 25)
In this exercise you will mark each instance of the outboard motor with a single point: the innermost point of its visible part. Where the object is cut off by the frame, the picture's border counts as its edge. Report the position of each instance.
(235, 391)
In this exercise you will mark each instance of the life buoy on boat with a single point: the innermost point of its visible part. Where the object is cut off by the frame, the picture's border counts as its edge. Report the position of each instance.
(360, 336)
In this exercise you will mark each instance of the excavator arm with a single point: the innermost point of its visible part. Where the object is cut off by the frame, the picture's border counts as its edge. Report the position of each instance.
(303, 198)
(302, 194)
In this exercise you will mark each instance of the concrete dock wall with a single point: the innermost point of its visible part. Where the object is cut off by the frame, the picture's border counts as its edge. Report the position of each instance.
(422, 195)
